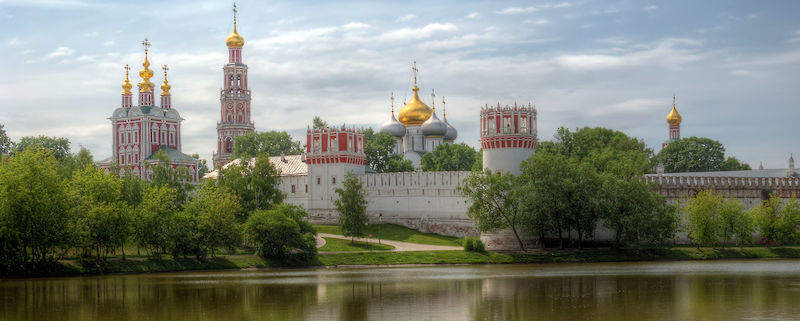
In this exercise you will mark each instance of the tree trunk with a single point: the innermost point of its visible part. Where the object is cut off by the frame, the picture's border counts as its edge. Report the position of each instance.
(123, 251)
(521, 244)
(580, 239)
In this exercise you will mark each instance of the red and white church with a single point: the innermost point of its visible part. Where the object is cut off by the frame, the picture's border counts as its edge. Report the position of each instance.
(139, 132)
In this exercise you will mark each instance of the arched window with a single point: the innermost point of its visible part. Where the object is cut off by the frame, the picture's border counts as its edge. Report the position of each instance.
(228, 145)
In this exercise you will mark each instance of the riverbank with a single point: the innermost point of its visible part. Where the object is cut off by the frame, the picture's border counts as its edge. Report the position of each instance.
(248, 261)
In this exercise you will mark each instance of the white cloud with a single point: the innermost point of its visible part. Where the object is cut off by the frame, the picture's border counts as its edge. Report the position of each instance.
(50, 4)
(418, 33)
(405, 18)
(356, 25)
(91, 34)
(539, 22)
(60, 52)
(517, 10)
(669, 53)
(795, 37)
(14, 42)
(109, 43)
(472, 15)
(650, 7)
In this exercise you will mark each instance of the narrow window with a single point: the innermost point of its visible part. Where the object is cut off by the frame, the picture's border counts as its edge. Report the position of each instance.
(318, 180)
(292, 188)
(334, 180)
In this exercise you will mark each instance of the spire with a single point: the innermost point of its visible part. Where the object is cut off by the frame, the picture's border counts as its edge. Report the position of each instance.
(126, 86)
(760, 165)
(433, 99)
(674, 118)
(234, 16)
(791, 161)
(444, 109)
(392, 98)
(234, 40)
(145, 72)
(165, 87)
(414, 68)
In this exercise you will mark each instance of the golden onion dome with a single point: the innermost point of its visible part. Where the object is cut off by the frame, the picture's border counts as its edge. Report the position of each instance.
(674, 118)
(126, 86)
(146, 73)
(415, 112)
(165, 87)
(234, 40)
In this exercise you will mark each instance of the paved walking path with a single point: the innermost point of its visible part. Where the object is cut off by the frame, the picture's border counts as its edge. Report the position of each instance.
(398, 246)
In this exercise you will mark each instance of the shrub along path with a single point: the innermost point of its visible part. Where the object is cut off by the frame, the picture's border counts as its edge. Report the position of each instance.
(398, 246)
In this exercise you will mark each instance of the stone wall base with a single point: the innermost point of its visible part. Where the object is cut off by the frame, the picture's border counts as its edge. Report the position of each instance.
(504, 240)
(449, 227)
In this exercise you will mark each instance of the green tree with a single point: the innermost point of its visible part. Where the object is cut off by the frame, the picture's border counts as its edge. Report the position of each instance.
(176, 178)
(6, 144)
(735, 222)
(778, 221)
(272, 142)
(397, 163)
(493, 204)
(183, 236)
(281, 233)
(154, 217)
(59, 146)
(352, 207)
(216, 211)
(34, 205)
(202, 166)
(696, 154)
(703, 220)
(319, 123)
(255, 183)
(450, 157)
(100, 210)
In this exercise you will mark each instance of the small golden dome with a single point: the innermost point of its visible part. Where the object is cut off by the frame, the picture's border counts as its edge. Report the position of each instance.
(145, 86)
(126, 86)
(415, 112)
(674, 118)
(234, 40)
(165, 86)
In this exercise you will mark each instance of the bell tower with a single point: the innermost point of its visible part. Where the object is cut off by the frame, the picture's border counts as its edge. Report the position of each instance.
(234, 99)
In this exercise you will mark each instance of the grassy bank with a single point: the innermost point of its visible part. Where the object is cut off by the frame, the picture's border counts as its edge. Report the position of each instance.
(241, 261)
(396, 233)
(340, 245)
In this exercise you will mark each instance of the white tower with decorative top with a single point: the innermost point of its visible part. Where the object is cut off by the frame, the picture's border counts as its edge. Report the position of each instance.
(331, 154)
(508, 136)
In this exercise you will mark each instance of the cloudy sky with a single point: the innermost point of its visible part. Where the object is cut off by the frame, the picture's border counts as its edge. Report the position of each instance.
(734, 65)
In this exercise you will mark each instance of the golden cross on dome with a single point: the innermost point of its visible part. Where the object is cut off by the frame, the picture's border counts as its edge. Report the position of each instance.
(145, 44)
(673, 99)
(234, 14)
(165, 70)
(414, 68)
(444, 108)
(127, 68)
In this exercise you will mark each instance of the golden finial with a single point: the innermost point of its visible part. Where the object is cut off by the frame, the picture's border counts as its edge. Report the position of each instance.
(674, 118)
(392, 98)
(145, 86)
(126, 87)
(165, 87)
(414, 68)
(234, 40)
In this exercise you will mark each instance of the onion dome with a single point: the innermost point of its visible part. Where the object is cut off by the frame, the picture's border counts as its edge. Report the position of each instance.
(165, 86)
(452, 133)
(145, 86)
(234, 40)
(415, 112)
(126, 86)
(393, 127)
(434, 127)
(674, 118)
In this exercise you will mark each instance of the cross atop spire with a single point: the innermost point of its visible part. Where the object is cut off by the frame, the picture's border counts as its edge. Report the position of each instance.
(392, 98)
(127, 68)
(673, 99)
(414, 68)
(444, 108)
(234, 15)
(433, 98)
(165, 70)
(146, 45)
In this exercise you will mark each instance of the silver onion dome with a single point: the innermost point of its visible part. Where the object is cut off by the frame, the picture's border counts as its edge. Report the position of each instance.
(393, 127)
(433, 126)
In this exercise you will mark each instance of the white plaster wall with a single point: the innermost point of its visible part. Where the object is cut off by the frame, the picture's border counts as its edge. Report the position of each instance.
(505, 159)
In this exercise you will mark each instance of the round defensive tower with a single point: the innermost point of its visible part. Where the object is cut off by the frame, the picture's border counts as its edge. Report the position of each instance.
(508, 136)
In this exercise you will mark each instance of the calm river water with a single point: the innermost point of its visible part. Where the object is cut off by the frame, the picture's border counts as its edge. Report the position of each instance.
(720, 290)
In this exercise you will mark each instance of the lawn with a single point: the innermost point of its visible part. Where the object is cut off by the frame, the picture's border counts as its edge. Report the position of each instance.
(340, 245)
(396, 233)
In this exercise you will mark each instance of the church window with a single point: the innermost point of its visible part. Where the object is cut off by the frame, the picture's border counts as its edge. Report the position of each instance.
(228, 145)
(163, 137)
(121, 137)
(507, 125)
(293, 189)
(154, 136)
(306, 188)
(333, 180)
(523, 128)
(318, 180)
(128, 137)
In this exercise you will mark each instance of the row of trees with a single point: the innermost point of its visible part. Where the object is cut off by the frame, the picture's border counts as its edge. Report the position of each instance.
(51, 209)
(711, 219)
(572, 184)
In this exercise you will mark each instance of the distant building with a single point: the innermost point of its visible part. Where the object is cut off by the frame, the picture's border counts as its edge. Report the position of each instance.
(139, 132)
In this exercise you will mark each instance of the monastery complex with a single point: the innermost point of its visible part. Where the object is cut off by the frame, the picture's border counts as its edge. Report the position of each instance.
(427, 201)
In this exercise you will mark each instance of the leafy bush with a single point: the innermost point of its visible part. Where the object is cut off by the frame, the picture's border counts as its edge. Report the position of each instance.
(281, 233)
(473, 244)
